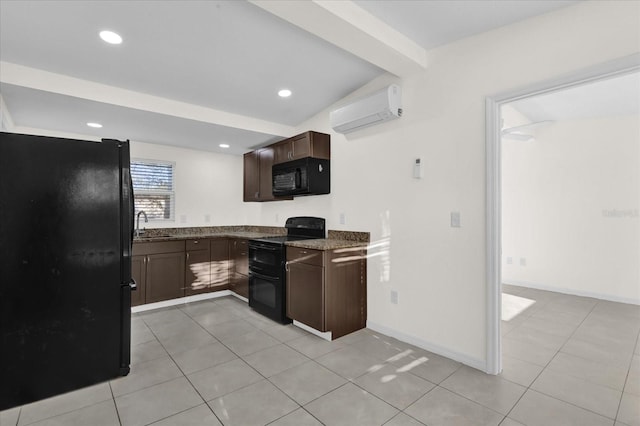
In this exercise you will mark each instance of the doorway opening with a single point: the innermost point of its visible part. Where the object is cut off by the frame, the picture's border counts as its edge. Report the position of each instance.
(520, 117)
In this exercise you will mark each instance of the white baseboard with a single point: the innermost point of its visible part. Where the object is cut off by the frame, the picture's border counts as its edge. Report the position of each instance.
(233, 293)
(183, 300)
(478, 364)
(574, 292)
(326, 335)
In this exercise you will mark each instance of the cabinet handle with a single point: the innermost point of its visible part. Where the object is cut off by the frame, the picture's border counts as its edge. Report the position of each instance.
(196, 242)
(256, 196)
(187, 256)
(286, 266)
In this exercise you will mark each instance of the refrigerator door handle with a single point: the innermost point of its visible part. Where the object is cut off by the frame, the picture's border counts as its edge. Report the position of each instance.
(133, 285)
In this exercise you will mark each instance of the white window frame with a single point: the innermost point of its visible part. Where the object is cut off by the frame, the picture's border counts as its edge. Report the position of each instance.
(171, 193)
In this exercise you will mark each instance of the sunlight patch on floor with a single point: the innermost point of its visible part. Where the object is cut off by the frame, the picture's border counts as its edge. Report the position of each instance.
(512, 306)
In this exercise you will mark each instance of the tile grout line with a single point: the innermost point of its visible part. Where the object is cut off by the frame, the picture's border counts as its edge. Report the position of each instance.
(626, 379)
(528, 388)
(239, 357)
(113, 399)
(204, 401)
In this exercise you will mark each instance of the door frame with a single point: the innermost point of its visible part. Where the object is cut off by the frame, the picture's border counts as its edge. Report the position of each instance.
(617, 67)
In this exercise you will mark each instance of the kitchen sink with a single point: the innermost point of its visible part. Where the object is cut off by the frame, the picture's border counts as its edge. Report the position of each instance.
(149, 237)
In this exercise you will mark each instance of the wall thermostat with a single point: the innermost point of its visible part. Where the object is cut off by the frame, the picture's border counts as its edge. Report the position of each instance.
(417, 169)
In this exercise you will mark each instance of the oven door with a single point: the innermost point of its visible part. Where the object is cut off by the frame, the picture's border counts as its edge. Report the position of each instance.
(266, 295)
(267, 259)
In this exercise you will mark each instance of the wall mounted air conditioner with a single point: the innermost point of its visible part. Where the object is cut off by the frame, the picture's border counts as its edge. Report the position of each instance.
(376, 108)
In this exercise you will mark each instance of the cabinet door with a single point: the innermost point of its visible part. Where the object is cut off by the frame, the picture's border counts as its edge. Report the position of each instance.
(301, 146)
(165, 276)
(305, 295)
(138, 266)
(265, 158)
(251, 176)
(198, 272)
(219, 264)
(240, 256)
(240, 284)
(282, 152)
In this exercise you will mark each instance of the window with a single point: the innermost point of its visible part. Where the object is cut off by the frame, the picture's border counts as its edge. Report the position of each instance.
(153, 188)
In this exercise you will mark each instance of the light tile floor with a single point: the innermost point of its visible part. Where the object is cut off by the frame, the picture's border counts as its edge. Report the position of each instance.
(567, 361)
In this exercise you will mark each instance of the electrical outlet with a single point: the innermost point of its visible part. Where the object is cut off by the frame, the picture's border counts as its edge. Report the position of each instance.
(394, 297)
(207, 218)
(183, 218)
(277, 218)
(509, 260)
(343, 219)
(455, 219)
(523, 261)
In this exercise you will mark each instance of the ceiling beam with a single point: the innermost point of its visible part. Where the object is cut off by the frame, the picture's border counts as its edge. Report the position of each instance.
(70, 86)
(348, 26)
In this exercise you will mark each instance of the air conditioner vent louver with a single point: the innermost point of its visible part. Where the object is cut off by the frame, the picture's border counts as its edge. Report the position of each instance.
(376, 108)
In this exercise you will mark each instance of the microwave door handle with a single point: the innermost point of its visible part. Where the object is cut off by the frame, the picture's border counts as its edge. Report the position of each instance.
(298, 178)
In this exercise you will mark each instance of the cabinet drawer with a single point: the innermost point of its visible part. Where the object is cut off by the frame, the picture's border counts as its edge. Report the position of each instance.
(303, 255)
(197, 244)
(158, 247)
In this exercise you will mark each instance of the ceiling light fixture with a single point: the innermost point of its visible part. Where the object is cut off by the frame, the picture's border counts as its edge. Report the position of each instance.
(94, 125)
(110, 37)
(224, 145)
(284, 93)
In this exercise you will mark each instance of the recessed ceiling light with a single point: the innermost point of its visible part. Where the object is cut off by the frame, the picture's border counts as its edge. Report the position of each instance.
(110, 37)
(284, 93)
(94, 125)
(224, 145)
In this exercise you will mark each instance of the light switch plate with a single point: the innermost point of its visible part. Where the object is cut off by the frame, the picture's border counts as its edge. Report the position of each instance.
(455, 219)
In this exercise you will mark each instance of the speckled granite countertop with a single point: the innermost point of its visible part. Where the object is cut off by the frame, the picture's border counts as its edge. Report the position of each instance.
(335, 240)
(171, 234)
(326, 244)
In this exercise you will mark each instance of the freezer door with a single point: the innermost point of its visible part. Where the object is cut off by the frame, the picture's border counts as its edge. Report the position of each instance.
(62, 308)
(127, 284)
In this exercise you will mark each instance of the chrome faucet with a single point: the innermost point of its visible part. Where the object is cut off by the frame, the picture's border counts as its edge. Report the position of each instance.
(138, 232)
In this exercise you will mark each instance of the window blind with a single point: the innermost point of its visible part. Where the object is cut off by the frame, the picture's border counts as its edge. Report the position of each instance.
(153, 188)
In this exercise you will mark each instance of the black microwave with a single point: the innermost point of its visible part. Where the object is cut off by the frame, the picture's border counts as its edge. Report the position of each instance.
(306, 176)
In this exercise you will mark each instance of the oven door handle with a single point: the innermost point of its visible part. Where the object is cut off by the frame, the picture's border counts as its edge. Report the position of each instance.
(258, 246)
(263, 277)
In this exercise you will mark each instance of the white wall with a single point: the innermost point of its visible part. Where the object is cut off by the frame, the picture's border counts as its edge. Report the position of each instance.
(439, 271)
(206, 183)
(570, 208)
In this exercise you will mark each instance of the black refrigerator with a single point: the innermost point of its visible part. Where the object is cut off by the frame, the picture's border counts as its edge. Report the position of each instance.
(66, 221)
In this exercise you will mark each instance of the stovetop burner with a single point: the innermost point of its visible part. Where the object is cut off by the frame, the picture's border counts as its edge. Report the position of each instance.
(298, 228)
(281, 239)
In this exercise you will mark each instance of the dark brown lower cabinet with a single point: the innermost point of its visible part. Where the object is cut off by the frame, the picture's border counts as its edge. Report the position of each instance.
(165, 276)
(198, 267)
(239, 266)
(159, 269)
(171, 269)
(239, 284)
(219, 264)
(305, 299)
(327, 290)
(138, 272)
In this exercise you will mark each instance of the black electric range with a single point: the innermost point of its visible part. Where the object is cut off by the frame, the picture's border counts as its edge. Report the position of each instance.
(267, 262)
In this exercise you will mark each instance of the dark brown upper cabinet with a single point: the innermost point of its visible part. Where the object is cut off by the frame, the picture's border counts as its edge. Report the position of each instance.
(307, 144)
(257, 176)
(257, 164)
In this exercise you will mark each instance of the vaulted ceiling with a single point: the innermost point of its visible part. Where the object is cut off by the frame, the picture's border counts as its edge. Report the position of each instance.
(200, 73)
